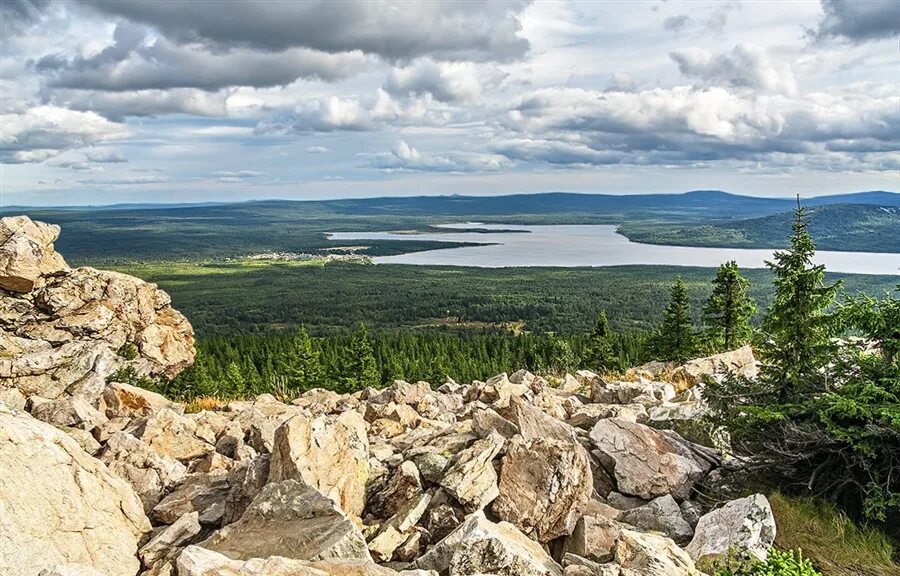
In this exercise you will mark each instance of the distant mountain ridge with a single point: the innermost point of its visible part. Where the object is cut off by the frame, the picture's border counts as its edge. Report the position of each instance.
(713, 201)
(191, 232)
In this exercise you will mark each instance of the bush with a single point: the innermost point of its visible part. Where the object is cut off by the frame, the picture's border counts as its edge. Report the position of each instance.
(787, 563)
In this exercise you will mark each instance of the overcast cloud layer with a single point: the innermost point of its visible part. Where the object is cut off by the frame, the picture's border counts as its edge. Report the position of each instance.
(106, 101)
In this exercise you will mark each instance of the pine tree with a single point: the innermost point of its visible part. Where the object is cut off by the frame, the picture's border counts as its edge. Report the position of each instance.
(797, 328)
(729, 308)
(303, 366)
(676, 339)
(600, 353)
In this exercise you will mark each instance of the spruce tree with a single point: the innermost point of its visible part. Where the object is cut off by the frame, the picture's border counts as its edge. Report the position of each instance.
(676, 339)
(600, 353)
(729, 308)
(360, 368)
(797, 328)
(303, 367)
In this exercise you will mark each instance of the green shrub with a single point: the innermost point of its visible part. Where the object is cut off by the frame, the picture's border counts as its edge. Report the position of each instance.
(787, 563)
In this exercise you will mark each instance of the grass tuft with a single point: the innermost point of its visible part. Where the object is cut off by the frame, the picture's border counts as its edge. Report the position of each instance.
(832, 541)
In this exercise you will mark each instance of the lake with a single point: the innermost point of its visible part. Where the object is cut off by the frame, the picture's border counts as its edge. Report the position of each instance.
(592, 245)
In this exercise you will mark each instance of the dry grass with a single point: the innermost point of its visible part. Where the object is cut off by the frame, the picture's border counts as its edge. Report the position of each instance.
(834, 543)
(201, 403)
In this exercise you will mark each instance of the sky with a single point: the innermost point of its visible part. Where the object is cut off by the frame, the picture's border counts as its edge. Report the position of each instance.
(105, 102)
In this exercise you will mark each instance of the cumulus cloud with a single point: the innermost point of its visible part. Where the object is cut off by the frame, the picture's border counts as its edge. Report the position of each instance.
(135, 62)
(859, 21)
(746, 66)
(686, 124)
(340, 113)
(89, 160)
(405, 158)
(44, 131)
(445, 81)
(451, 30)
(317, 150)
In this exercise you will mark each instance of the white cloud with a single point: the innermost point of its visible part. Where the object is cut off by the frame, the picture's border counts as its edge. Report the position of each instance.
(445, 81)
(44, 131)
(405, 158)
(685, 125)
(317, 150)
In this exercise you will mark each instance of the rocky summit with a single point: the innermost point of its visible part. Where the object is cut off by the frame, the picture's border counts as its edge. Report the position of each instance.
(516, 475)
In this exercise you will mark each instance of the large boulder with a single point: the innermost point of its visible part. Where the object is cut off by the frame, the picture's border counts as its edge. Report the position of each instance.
(544, 485)
(740, 362)
(479, 546)
(332, 456)
(202, 493)
(660, 515)
(60, 505)
(68, 331)
(26, 253)
(196, 561)
(745, 527)
(471, 477)
(294, 520)
(171, 434)
(644, 462)
(652, 555)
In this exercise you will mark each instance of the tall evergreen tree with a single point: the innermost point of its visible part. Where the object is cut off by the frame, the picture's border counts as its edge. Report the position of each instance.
(797, 329)
(360, 369)
(729, 308)
(303, 365)
(676, 339)
(600, 353)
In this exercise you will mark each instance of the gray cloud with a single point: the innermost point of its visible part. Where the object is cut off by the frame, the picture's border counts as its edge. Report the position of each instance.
(132, 64)
(118, 105)
(453, 29)
(677, 23)
(859, 21)
(746, 66)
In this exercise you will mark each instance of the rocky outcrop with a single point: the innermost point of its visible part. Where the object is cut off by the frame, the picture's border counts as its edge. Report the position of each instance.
(26, 253)
(60, 505)
(740, 362)
(66, 331)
